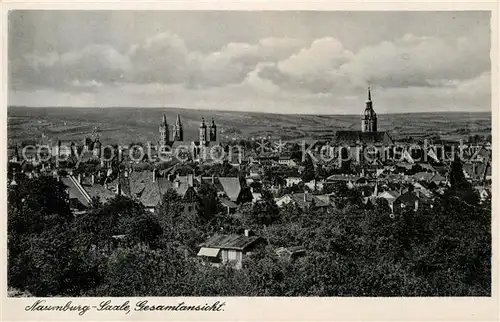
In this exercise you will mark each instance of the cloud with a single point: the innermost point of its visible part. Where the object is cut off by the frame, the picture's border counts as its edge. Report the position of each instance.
(418, 61)
(281, 71)
(409, 61)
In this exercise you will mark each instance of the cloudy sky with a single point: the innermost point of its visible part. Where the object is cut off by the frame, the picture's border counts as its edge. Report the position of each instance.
(282, 62)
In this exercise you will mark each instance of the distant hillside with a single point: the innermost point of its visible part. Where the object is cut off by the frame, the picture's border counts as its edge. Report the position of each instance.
(125, 125)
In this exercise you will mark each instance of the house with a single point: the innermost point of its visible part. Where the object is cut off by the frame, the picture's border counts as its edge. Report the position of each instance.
(148, 188)
(229, 249)
(390, 197)
(287, 160)
(424, 188)
(290, 181)
(231, 187)
(315, 185)
(477, 171)
(438, 179)
(408, 200)
(290, 253)
(229, 205)
(78, 197)
(302, 200)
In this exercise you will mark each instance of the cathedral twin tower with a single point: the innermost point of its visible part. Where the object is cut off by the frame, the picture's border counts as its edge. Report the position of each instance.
(206, 134)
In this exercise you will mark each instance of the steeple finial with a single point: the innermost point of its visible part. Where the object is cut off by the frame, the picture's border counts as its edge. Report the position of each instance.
(369, 94)
(178, 121)
(164, 119)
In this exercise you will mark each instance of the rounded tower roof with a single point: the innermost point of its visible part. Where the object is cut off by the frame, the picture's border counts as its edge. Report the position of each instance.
(203, 125)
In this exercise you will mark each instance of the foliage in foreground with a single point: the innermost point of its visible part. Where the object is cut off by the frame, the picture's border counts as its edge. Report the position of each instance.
(443, 251)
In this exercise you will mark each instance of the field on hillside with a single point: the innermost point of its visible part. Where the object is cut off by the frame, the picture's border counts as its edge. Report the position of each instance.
(126, 125)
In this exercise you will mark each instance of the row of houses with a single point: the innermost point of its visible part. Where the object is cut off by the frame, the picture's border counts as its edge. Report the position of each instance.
(148, 187)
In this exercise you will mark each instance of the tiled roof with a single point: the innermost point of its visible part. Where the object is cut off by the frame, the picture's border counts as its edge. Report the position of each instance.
(76, 190)
(231, 186)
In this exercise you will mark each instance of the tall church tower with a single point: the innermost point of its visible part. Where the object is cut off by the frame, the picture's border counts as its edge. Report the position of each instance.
(213, 131)
(178, 134)
(369, 120)
(203, 132)
(163, 132)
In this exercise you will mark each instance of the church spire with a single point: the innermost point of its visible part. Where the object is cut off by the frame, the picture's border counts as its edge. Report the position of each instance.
(163, 132)
(213, 131)
(178, 131)
(203, 131)
(369, 94)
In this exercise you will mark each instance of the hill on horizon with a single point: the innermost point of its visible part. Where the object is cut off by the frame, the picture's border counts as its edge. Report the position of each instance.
(128, 124)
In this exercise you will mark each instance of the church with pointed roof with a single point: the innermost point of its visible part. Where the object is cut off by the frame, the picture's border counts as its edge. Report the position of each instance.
(368, 134)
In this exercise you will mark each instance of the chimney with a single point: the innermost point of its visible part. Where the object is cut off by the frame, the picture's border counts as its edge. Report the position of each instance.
(305, 196)
(80, 178)
(118, 188)
(177, 183)
(247, 232)
(154, 175)
(125, 173)
(190, 179)
(416, 204)
(93, 179)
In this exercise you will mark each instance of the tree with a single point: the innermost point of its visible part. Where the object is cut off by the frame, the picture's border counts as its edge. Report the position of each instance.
(179, 228)
(308, 174)
(208, 202)
(265, 211)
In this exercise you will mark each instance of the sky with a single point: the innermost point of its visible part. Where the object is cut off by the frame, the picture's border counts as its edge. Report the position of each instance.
(307, 62)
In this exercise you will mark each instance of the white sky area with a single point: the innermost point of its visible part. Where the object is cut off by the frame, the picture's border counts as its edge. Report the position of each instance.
(280, 62)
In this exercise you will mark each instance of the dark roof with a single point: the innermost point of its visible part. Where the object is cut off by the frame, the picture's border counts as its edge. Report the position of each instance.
(76, 190)
(238, 242)
(140, 185)
(408, 197)
(352, 137)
